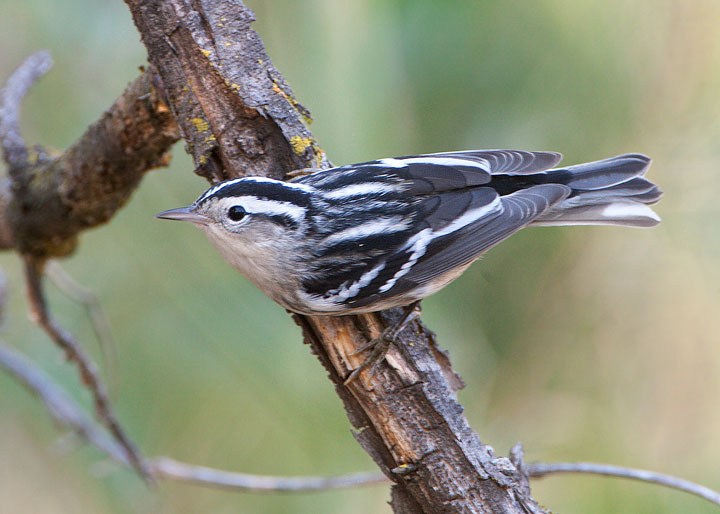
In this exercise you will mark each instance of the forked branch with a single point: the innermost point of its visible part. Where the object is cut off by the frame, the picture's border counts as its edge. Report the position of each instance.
(48, 199)
(68, 413)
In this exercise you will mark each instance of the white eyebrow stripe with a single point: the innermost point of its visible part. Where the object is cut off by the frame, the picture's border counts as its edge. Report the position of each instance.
(370, 228)
(217, 188)
(255, 205)
(364, 188)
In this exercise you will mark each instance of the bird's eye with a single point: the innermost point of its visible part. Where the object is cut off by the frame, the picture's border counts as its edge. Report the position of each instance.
(236, 213)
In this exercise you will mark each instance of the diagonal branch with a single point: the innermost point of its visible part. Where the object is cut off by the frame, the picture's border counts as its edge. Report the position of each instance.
(99, 321)
(239, 117)
(58, 403)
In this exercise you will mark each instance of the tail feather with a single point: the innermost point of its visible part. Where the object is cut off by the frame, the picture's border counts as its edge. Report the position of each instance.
(604, 173)
(607, 192)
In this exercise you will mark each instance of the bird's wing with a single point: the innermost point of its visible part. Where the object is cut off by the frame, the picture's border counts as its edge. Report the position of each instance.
(458, 227)
(450, 247)
(434, 173)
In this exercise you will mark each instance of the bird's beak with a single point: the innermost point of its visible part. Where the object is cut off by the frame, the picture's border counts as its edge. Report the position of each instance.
(184, 214)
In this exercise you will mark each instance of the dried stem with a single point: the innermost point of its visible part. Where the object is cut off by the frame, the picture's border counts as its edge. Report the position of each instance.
(68, 413)
(99, 321)
(58, 403)
(164, 467)
(540, 469)
(13, 146)
(75, 354)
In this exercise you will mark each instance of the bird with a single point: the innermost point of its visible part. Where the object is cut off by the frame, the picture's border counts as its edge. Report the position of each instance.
(387, 233)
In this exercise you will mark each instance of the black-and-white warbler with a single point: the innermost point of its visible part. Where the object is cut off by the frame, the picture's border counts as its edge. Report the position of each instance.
(387, 233)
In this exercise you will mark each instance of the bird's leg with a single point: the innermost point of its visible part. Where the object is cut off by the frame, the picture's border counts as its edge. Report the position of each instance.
(381, 344)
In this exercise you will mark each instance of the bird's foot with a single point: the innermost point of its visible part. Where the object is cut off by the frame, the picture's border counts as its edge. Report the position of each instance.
(381, 344)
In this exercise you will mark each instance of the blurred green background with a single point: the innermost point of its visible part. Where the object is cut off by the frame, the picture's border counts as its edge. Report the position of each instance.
(587, 343)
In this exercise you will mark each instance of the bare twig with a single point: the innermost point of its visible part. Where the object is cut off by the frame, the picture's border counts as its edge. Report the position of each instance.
(170, 468)
(68, 413)
(540, 469)
(13, 147)
(100, 324)
(59, 404)
(86, 368)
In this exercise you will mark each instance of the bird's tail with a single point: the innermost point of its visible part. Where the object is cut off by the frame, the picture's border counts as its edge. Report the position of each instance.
(608, 192)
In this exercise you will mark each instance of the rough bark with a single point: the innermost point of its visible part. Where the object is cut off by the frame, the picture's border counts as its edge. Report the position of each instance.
(236, 112)
(239, 117)
(49, 198)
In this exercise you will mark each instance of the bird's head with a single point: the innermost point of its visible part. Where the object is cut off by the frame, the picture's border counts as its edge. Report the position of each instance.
(245, 215)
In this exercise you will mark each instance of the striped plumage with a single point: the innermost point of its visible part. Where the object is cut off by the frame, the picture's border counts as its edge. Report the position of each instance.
(380, 234)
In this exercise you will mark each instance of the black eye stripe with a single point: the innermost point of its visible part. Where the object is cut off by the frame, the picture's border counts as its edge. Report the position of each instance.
(285, 221)
(238, 213)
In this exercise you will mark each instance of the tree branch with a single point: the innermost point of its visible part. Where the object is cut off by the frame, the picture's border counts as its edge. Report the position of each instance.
(86, 368)
(49, 199)
(541, 469)
(68, 413)
(239, 118)
(14, 148)
(99, 321)
(164, 467)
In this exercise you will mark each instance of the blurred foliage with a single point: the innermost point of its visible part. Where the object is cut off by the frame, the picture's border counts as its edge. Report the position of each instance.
(585, 343)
